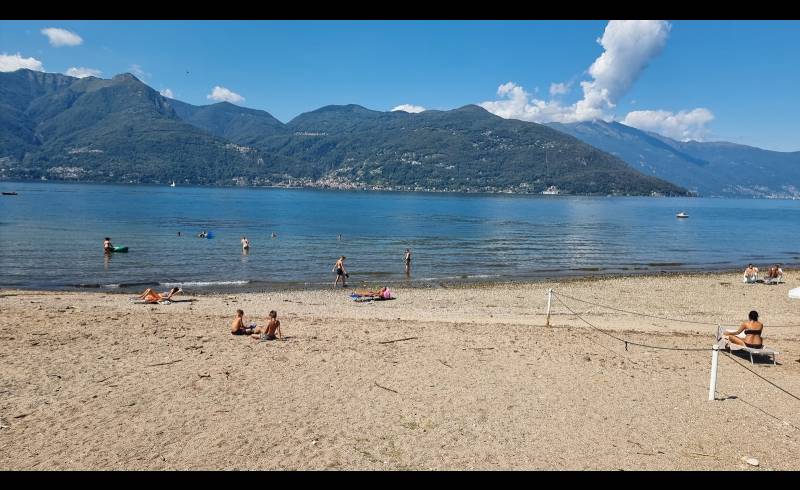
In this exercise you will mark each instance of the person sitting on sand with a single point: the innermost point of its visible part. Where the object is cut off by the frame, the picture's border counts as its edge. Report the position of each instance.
(750, 274)
(273, 327)
(238, 328)
(151, 296)
(107, 247)
(383, 293)
(775, 273)
(752, 330)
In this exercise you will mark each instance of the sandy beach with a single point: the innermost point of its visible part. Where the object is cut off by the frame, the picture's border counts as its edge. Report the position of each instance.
(93, 381)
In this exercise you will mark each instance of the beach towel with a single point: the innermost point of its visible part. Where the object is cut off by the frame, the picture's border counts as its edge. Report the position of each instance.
(138, 301)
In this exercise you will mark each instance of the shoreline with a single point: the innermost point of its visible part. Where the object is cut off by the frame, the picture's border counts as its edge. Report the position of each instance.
(247, 286)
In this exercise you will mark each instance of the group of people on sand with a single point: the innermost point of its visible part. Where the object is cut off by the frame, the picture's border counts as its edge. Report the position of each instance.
(774, 274)
(270, 331)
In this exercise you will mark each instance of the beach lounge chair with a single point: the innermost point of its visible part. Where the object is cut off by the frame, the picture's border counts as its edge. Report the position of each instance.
(723, 342)
(750, 280)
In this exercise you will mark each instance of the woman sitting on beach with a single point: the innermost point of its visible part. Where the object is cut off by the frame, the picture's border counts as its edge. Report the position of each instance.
(750, 274)
(151, 296)
(752, 330)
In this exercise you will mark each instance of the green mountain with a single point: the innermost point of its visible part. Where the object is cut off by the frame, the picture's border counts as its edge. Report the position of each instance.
(708, 168)
(466, 149)
(120, 130)
(117, 130)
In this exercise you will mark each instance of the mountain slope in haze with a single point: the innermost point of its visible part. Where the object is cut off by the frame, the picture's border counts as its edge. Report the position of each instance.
(708, 168)
(117, 130)
(466, 149)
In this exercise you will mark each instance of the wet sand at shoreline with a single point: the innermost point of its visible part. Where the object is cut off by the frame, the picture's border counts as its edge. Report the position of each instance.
(92, 381)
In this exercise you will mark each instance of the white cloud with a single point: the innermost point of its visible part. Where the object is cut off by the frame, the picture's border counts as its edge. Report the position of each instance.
(221, 94)
(409, 108)
(167, 93)
(629, 45)
(83, 72)
(139, 71)
(61, 37)
(683, 126)
(558, 89)
(13, 62)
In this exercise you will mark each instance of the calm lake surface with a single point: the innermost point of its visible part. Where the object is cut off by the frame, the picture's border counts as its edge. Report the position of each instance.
(51, 236)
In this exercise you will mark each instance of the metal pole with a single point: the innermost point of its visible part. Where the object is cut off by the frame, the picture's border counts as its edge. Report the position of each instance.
(549, 298)
(712, 385)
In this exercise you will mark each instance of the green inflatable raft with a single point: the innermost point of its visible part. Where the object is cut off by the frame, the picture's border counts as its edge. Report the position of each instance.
(119, 249)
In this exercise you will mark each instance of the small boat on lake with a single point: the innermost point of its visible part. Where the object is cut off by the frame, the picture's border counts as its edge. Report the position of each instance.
(10, 194)
(682, 215)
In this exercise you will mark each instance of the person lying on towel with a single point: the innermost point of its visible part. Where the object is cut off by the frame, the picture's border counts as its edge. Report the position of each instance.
(383, 293)
(150, 296)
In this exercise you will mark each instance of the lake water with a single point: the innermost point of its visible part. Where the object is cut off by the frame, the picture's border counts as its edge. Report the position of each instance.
(51, 236)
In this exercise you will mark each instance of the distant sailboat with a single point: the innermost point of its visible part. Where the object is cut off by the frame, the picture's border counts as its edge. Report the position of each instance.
(172, 184)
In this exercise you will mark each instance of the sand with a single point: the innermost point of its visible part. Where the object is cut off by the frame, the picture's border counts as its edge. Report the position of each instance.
(92, 381)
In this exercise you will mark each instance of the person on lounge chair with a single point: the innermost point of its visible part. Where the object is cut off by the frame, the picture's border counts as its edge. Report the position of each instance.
(750, 274)
(752, 330)
(150, 296)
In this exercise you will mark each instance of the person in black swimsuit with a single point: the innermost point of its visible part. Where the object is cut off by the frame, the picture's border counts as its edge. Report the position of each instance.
(752, 330)
(341, 272)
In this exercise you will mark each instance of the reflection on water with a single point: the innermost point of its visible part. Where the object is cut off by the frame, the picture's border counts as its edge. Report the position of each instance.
(451, 236)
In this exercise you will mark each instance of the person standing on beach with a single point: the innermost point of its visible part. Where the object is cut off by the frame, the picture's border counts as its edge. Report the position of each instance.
(407, 261)
(341, 272)
(245, 244)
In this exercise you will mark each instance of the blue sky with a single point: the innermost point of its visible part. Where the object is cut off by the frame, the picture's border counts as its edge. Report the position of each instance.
(724, 80)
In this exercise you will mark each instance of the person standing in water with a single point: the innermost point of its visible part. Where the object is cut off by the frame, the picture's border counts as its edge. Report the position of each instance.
(245, 244)
(107, 247)
(341, 272)
(407, 261)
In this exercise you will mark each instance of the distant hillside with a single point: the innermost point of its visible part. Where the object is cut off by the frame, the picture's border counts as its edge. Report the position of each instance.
(466, 149)
(120, 130)
(711, 169)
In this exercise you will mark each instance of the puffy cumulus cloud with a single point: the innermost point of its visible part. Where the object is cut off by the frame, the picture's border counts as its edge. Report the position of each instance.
(13, 62)
(409, 108)
(83, 72)
(61, 37)
(558, 89)
(629, 45)
(683, 126)
(221, 94)
(167, 93)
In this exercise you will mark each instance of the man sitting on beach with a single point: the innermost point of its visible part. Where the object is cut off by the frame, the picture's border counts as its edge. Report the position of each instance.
(273, 327)
(750, 274)
(775, 273)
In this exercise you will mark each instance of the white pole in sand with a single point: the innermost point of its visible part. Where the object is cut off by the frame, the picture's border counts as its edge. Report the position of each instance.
(549, 298)
(712, 385)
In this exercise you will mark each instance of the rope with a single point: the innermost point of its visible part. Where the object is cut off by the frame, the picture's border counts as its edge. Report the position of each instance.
(762, 377)
(658, 317)
(626, 342)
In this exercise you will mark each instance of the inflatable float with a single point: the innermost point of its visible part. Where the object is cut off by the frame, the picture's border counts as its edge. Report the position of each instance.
(794, 293)
(119, 249)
